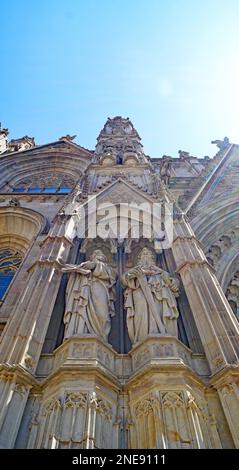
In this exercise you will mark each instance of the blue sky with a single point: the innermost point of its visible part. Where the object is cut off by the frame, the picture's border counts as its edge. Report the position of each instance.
(170, 66)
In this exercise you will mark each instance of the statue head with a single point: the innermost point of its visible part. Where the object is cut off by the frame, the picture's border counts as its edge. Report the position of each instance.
(98, 255)
(146, 258)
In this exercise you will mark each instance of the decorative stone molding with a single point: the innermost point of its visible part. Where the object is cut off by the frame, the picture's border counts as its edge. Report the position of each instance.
(52, 405)
(86, 350)
(157, 348)
(172, 399)
(104, 409)
(232, 294)
(74, 418)
(73, 399)
(20, 226)
(20, 389)
(216, 250)
(228, 389)
(143, 408)
(172, 418)
(81, 350)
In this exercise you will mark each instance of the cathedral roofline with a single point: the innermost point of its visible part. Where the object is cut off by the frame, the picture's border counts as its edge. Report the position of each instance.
(36, 147)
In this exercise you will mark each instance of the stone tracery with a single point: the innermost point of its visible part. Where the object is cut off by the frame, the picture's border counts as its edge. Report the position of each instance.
(45, 181)
(10, 261)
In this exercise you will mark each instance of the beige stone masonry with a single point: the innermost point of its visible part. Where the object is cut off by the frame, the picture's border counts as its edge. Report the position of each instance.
(217, 326)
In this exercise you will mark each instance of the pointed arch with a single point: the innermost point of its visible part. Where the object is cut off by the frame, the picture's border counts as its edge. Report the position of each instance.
(18, 229)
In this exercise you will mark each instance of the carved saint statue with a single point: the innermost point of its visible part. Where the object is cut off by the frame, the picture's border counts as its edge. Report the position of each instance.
(165, 169)
(150, 299)
(90, 295)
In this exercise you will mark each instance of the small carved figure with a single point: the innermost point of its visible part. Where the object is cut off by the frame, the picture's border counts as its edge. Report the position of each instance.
(165, 169)
(183, 154)
(68, 137)
(222, 144)
(14, 202)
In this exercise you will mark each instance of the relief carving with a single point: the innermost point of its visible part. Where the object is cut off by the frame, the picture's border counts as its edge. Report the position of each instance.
(104, 356)
(141, 357)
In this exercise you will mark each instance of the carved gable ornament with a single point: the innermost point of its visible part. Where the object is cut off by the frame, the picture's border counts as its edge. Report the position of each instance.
(122, 192)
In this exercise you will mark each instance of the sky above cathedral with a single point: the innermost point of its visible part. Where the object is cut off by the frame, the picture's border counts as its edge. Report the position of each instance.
(170, 66)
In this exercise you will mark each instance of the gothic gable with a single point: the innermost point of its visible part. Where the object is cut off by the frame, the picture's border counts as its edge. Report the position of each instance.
(122, 192)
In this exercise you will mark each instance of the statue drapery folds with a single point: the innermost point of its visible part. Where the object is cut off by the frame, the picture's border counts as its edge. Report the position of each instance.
(90, 296)
(150, 299)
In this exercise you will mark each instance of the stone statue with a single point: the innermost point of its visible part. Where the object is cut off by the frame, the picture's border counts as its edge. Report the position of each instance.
(156, 184)
(90, 295)
(68, 137)
(222, 144)
(183, 154)
(165, 169)
(150, 299)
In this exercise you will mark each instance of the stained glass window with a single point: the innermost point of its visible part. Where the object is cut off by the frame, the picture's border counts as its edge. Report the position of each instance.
(64, 190)
(10, 261)
(45, 183)
(34, 190)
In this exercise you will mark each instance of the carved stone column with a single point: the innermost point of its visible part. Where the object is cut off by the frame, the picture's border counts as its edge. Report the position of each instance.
(217, 326)
(13, 397)
(25, 332)
(27, 326)
(228, 390)
(91, 421)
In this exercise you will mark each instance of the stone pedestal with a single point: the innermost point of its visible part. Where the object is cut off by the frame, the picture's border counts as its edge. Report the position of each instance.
(167, 402)
(89, 396)
(78, 399)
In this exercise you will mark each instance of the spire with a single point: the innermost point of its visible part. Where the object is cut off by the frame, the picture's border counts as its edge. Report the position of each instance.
(119, 144)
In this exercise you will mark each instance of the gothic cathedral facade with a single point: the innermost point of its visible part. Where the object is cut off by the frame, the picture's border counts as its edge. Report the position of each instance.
(119, 295)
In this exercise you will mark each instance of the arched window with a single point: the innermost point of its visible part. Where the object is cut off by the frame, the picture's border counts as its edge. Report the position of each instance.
(45, 183)
(10, 261)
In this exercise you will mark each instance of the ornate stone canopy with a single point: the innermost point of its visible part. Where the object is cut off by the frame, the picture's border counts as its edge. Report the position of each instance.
(119, 143)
